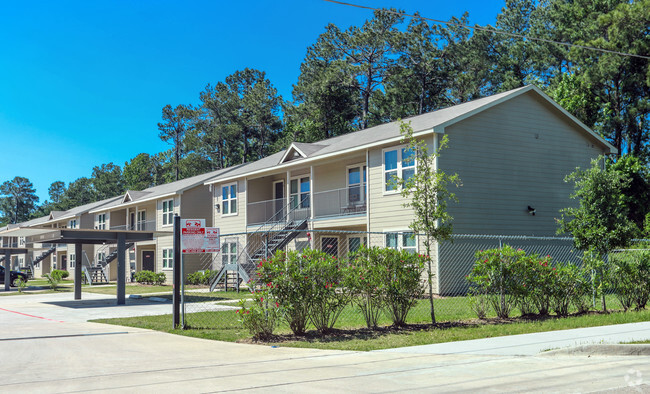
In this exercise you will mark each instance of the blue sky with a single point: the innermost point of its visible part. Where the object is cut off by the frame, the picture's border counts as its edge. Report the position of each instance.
(82, 83)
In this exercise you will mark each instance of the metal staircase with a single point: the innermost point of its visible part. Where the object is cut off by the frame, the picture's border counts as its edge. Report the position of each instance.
(44, 255)
(274, 234)
(97, 271)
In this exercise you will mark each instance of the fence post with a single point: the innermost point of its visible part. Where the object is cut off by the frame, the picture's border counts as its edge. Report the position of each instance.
(503, 295)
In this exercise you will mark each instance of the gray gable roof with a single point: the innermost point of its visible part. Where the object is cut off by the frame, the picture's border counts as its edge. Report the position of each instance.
(430, 122)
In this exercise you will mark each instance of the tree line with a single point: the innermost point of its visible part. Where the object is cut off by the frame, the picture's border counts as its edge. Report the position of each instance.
(388, 68)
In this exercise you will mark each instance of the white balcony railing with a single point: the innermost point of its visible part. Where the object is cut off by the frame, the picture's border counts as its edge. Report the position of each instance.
(331, 203)
(149, 225)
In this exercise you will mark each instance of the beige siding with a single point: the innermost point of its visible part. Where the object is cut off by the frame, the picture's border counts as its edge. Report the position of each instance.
(509, 157)
(158, 206)
(332, 175)
(164, 242)
(196, 203)
(229, 224)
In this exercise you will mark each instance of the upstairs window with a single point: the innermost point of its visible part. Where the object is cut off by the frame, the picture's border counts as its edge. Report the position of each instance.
(101, 221)
(229, 199)
(398, 162)
(72, 223)
(142, 220)
(357, 184)
(299, 193)
(168, 212)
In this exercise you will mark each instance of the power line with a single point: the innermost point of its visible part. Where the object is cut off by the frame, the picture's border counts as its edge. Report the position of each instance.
(487, 29)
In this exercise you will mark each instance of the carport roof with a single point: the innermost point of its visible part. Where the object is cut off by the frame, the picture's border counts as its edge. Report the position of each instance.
(74, 236)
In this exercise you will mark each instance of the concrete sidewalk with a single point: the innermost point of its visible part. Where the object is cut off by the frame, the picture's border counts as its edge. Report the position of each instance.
(48, 349)
(535, 343)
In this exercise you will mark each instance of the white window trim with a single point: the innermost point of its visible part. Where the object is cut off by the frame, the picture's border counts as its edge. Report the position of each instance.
(229, 241)
(72, 223)
(71, 261)
(398, 169)
(400, 233)
(99, 223)
(141, 224)
(170, 258)
(162, 209)
(363, 185)
(230, 200)
(298, 178)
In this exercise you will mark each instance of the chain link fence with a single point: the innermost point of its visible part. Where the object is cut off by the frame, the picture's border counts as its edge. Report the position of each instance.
(215, 283)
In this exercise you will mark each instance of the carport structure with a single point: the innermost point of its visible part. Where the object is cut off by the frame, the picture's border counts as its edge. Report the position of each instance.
(80, 237)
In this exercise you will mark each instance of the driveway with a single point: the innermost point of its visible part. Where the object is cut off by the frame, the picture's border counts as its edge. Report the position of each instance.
(48, 347)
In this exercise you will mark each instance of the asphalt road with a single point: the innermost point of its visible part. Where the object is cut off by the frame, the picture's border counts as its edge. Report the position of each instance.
(47, 346)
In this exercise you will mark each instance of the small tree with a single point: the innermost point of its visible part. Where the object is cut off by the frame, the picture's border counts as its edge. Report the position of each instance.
(600, 222)
(428, 196)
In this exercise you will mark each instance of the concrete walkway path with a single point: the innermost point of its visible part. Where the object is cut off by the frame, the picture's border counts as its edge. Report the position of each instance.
(48, 348)
(535, 343)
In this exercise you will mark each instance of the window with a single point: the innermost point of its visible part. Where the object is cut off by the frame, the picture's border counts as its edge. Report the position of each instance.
(168, 258)
(402, 241)
(142, 220)
(357, 184)
(355, 242)
(168, 212)
(299, 193)
(229, 199)
(72, 260)
(229, 253)
(72, 223)
(101, 257)
(101, 221)
(398, 162)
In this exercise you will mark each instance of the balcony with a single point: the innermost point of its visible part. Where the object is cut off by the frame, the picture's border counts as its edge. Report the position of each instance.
(331, 203)
(149, 225)
(340, 202)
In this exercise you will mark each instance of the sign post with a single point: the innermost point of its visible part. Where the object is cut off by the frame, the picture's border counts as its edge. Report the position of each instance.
(177, 272)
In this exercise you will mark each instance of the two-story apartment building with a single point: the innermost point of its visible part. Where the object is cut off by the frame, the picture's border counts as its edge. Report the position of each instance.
(511, 151)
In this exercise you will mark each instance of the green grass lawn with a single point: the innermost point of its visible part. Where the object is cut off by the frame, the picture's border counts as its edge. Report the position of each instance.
(459, 324)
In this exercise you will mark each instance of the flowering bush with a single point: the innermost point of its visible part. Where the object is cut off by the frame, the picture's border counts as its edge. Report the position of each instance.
(538, 281)
(365, 280)
(497, 276)
(327, 298)
(260, 319)
(284, 275)
(383, 279)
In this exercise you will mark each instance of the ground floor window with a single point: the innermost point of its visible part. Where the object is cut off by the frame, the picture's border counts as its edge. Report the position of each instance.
(72, 260)
(229, 253)
(403, 240)
(168, 258)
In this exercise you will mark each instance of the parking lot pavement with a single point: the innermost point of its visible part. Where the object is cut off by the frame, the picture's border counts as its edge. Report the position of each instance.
(49, 351)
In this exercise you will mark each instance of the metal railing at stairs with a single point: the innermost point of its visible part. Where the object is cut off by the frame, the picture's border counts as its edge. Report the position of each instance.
(274, 234)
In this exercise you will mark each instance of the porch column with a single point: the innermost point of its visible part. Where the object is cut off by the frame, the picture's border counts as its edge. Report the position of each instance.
(288, 194)
(7, 270)
(121, 268)
(78, 261)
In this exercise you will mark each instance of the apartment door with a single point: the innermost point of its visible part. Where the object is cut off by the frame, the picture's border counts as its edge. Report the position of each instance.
(64, 262)
(278, 199)
(148, 260)
(131, 221)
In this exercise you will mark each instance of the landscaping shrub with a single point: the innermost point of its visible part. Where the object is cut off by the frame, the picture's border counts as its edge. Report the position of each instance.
(497, 276)
(199, 278)
(261, 318)
(571, 285)
(285, 276)
(630, 277)
(62, 274)
(538, 281)
(326, 298)
(365, 280)
(401, 275)
(150, 278)
(54, 278)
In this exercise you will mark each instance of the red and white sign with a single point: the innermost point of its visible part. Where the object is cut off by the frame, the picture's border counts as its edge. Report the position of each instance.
(192, 235)
(211, 243)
